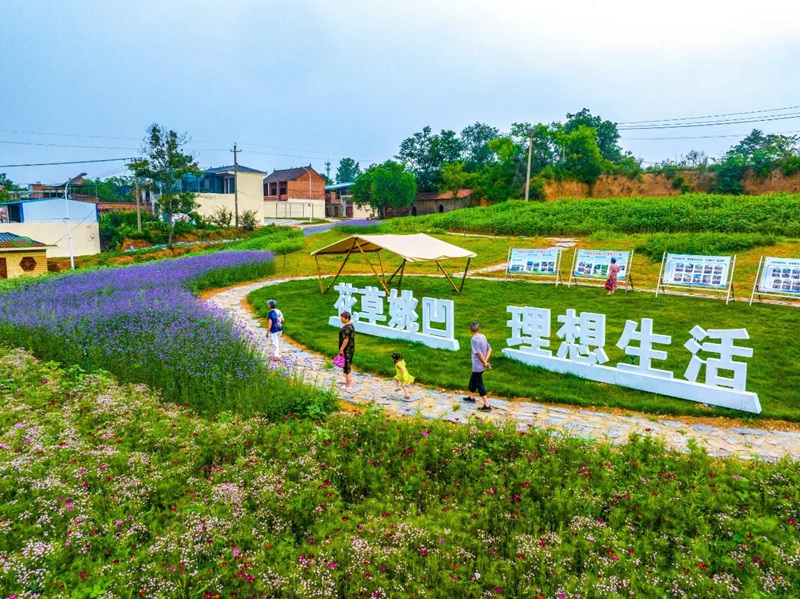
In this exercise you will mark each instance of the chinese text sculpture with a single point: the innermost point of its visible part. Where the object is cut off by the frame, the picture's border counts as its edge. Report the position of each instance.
(438, 322)
(582, 353)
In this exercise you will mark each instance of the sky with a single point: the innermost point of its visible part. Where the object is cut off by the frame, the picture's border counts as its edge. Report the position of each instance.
(298, 82)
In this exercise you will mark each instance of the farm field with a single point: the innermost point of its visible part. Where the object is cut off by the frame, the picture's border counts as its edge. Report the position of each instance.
(106, 491)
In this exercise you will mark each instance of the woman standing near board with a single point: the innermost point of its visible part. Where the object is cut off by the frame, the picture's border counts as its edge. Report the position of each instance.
(613, 271)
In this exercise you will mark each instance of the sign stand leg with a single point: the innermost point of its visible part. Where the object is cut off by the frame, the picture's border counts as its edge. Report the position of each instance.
(730, 283)
(755, 284)
(572, 271)
(660, 273)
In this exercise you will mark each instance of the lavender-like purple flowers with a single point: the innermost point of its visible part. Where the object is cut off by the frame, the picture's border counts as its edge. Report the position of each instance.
(143, 324)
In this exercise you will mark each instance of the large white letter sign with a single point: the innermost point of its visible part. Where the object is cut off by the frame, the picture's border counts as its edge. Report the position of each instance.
(582, 332)
(402, 319)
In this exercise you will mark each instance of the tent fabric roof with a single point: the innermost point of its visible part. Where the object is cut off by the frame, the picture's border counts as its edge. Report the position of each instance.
(412, 248)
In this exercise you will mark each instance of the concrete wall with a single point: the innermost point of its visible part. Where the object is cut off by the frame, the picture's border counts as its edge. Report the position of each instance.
(294, 209)
(251, 197)
(55, 210)
(85, 236)
(14, 258)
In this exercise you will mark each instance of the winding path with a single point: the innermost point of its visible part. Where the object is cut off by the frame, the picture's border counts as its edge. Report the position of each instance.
(741, 442)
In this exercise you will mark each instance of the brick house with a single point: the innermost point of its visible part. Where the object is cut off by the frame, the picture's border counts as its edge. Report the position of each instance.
(294, 193)
(431, 202)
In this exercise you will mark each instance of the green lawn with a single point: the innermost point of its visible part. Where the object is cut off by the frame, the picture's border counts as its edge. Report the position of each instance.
(772, 373)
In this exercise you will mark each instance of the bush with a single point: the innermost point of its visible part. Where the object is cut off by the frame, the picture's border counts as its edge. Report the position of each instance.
(248, 220)
(702, 243)
(221, 217)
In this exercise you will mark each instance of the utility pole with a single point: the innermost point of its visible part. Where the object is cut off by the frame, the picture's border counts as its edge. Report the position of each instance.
(235, 186)
(138, 203)
(528, 178)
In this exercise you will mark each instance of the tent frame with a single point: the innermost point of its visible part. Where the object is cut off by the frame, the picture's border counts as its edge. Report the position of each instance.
(382, 277)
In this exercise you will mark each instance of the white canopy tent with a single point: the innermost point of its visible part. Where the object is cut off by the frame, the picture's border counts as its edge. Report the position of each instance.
(411, 248)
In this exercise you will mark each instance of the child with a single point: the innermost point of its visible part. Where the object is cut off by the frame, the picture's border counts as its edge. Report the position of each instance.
(402, 378)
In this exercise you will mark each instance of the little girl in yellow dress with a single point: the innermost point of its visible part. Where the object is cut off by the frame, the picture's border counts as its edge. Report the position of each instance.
(402, 378)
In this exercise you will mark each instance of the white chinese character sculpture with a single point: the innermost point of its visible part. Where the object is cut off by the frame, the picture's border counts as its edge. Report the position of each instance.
(441, 312)
(345, 301)
(580, 332)
(726, 350)
(531, 326)
(402, 310)
(371, 305)
(403, 318)
(645, 351)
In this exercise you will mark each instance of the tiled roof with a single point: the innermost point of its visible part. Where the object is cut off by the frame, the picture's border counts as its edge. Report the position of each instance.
(229, 169)
(447, 195)
(11, 240)
(288, 174)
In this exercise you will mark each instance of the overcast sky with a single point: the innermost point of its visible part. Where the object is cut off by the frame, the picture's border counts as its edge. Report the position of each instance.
(304, 81)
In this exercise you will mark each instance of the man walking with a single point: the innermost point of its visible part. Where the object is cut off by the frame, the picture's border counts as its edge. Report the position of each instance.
(481, 351)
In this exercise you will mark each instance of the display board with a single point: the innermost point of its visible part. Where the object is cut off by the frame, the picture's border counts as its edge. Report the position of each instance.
(709, 273)
(535, 262)
(778, 277)
(594, 264)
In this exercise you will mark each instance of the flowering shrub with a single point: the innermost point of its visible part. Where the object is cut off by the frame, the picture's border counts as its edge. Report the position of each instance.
(106, 492)
(143, 324)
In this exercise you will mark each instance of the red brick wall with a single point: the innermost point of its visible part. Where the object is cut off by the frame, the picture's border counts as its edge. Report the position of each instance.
(298, 189)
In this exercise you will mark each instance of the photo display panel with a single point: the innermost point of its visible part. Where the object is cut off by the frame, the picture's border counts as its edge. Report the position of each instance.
(533, 262)
(697, 271)
(595, 263)
(780, 275)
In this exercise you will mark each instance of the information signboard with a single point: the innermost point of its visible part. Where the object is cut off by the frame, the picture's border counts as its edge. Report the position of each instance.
(536, 262)
(710, 273)
(594, 264)
(777, 276)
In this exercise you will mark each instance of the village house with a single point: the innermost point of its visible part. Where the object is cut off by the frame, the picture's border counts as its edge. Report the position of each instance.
(216, 188)
(294, 193)
(21, 256)
(53, 221)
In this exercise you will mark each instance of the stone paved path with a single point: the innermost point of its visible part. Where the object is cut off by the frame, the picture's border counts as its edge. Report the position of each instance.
(741, 442)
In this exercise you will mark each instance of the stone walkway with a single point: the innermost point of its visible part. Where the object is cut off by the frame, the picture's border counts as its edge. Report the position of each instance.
(741, 442)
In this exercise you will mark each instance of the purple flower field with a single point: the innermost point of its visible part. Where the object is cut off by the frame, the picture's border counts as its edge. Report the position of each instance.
(143, 324)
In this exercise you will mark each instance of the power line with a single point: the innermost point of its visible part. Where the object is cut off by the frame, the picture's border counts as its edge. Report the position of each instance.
(713, 123)
(709, 116)
(70, 162)
(703, 136)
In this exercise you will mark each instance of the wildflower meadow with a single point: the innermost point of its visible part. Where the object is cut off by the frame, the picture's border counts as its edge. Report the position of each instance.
(105, 491)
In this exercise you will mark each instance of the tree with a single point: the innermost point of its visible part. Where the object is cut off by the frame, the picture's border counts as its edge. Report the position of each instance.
(762, 153)
(424, 155)
(165, 164)
(606, 133)
(387, 185)
(7, 186)
(455, 177)
(582, 157)
(502, 179)
(475, 144)
(348, 170)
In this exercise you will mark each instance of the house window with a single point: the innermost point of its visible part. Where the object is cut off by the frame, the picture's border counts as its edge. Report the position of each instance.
(14, 213)
(27, 264)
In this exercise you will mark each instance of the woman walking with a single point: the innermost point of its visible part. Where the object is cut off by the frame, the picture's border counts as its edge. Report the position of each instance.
(347, 346)
(613, 271)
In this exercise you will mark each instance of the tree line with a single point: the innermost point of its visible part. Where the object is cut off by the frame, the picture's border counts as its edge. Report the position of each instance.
(581, 148)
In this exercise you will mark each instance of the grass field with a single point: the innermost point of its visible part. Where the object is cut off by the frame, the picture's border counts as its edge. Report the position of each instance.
(772, 373)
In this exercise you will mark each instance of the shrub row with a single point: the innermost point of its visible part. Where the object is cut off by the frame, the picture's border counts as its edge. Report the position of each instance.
(773, 214)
